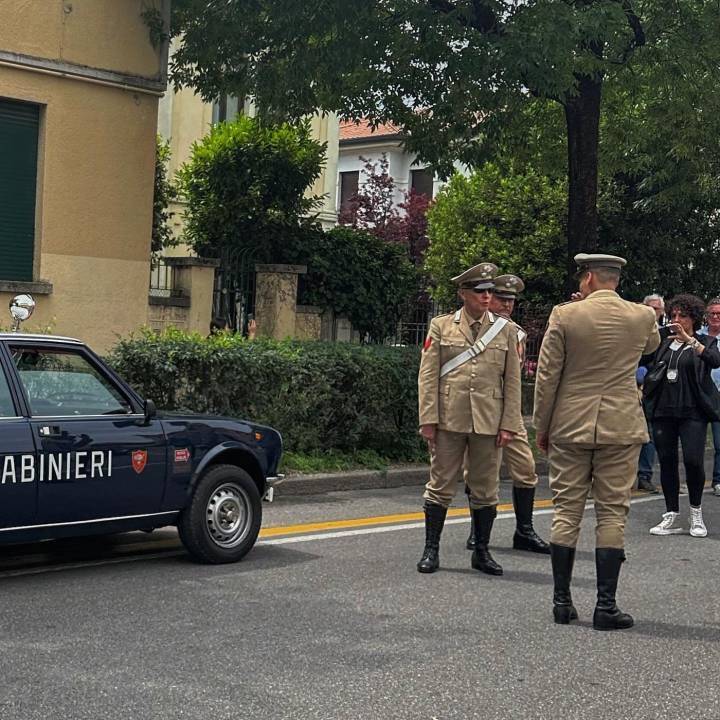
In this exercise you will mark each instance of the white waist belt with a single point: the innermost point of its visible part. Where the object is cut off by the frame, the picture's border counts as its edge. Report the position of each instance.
(474, 350)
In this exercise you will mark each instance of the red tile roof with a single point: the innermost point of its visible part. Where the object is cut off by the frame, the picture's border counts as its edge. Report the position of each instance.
(351, 130)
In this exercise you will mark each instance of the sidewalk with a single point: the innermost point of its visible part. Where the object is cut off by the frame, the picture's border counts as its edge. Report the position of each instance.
(400, 475)
(393, 476)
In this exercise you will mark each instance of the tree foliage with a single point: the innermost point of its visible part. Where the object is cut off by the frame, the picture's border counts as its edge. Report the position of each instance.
(245, 185)
(511, 218)
(164, 193)
(455, 74)
(360, 276)
(670, 251)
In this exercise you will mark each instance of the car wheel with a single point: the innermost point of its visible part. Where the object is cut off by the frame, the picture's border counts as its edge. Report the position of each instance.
(222, 521)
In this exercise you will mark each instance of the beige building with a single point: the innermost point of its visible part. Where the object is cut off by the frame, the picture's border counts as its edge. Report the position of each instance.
(183, 119)
(79, 88)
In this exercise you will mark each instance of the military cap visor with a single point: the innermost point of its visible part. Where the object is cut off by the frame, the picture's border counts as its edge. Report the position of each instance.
(478, 277)
(587, 262)
(508, 286)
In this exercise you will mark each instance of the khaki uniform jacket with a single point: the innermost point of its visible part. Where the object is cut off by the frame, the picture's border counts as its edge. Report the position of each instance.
(480, 396)
(585, 389)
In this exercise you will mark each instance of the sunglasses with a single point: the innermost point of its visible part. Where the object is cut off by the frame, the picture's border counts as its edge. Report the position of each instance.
(483, 291)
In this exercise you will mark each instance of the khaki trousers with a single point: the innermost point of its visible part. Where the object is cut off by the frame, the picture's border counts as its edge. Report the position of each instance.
(446, 467)
(610, 470)
(519, 461)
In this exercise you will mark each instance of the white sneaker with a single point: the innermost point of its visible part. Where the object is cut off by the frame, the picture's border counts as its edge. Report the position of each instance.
(667, 525)
(716, 489)
(683, 489)
(697, 526)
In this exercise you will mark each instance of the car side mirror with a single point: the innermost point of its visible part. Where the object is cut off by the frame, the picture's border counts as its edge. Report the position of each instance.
(149, 410)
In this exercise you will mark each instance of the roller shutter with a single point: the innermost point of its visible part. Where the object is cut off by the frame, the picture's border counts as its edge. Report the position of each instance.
(18, 181)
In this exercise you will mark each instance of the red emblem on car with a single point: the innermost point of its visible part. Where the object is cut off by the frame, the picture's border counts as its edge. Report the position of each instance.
(139, 460)
(182, 456)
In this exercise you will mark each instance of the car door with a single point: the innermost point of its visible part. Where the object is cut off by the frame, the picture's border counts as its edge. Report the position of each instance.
(97, 456)
(18, 490)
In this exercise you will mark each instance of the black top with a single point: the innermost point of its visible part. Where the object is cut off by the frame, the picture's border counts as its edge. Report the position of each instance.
(689, 395)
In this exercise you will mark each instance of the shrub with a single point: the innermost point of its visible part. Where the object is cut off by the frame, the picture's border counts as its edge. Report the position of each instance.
(245, 187)
(320, 396)
(361, 276)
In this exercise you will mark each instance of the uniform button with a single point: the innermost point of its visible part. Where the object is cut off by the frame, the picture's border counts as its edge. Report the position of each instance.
(473, 375)
(472, 389)
(474, 362)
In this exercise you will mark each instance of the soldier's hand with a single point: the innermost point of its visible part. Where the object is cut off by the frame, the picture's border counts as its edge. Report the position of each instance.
(428, 433)
(542, 440)
(576, 296)
(504, 437)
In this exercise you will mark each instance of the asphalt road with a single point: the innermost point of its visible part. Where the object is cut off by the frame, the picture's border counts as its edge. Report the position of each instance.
(337, 623)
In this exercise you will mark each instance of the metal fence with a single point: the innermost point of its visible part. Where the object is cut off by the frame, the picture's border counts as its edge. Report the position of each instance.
(162, 279)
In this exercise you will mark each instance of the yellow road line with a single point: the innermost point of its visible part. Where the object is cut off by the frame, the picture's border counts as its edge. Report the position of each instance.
(379, 520)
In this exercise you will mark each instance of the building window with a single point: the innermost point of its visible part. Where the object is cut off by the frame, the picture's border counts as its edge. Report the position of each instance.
(19, 124)
(421, 181)
(348, 187)
(226, 108)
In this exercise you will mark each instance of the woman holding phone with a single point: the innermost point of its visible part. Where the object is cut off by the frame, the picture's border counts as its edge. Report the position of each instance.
(680, 399)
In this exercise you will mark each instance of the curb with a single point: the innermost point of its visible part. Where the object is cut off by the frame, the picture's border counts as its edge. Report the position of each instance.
(393, 476)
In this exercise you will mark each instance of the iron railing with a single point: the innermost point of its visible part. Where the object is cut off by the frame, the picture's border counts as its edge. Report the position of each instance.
(162, 279)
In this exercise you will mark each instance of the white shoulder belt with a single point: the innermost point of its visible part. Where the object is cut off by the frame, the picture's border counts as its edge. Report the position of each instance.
(474, 350)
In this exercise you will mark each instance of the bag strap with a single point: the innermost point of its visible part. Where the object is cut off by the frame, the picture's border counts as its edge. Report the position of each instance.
(474, 350)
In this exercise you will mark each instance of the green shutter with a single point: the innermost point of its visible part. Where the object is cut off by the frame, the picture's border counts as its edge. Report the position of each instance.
(18, 181)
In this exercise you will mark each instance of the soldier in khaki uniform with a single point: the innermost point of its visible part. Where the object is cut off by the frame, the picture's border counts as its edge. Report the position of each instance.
(589, 421)
(469, 400)
(517, 455)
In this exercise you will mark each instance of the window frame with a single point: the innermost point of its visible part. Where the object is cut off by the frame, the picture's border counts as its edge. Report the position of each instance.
(343, 174)
(428, 172)
(134, 401)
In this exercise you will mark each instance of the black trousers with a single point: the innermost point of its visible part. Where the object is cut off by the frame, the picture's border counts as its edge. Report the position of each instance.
(691, 433)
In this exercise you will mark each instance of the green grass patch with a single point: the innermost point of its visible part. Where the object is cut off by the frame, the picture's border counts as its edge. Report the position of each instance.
(337, 461)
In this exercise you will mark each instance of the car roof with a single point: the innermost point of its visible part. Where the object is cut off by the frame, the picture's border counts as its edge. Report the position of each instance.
(21, 336)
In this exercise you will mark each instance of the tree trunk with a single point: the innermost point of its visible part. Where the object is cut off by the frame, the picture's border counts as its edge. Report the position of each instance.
(582, 114)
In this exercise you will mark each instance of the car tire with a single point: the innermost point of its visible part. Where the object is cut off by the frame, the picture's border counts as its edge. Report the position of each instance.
(222, 521)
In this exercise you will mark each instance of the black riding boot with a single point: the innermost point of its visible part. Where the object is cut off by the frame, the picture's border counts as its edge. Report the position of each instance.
(563, 559)
(481, 558)
(525, 537)
(434, 522)
(607, 615)
(470, 544)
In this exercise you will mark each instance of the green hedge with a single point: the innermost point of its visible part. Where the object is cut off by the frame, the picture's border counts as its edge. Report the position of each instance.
(320, 396)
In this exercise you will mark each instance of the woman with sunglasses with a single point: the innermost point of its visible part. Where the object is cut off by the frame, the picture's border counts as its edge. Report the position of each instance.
(680, 399)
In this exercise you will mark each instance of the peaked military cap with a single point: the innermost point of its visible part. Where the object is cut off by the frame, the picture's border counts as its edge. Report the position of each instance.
(508, 286)
(598, 261)
(478, 277)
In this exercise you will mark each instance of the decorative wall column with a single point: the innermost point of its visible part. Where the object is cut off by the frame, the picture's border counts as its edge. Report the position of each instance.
(276, 299)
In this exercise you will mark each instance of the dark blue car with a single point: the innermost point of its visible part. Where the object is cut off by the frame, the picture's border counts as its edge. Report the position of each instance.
(81, 453)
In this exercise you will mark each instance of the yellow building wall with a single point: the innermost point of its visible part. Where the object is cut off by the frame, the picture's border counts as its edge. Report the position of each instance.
(102, 34)
(95, 164)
